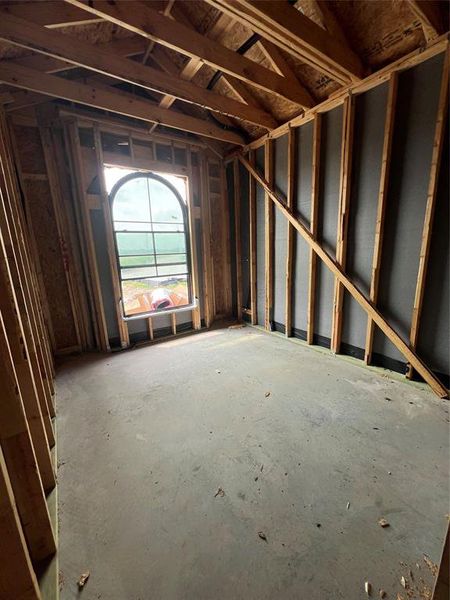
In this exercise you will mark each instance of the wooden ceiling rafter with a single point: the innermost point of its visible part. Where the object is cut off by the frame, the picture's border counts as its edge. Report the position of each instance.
(194, 64)
(59, 14)
(57, 87)
(82, 54)
(53, 15)
(143, 20)
(290, 30)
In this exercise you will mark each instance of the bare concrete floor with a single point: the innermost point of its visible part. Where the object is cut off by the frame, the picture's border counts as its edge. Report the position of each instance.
(147, 437)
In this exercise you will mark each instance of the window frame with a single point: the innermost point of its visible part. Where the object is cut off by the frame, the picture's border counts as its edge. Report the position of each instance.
(187, 237)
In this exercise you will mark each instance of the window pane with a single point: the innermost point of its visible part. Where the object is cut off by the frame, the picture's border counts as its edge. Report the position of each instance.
(174, 227)
(137, 261)
(132, 226)
(137, 272)
(152, 294)
(134, 243)
(172, 269)
(170, 258)
(131, 201)
(165, 205)
(170, 243)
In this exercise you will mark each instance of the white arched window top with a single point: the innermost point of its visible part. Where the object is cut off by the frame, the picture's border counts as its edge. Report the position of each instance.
(152, 244)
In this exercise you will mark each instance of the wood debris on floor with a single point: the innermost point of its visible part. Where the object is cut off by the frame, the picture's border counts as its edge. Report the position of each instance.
(83, 579)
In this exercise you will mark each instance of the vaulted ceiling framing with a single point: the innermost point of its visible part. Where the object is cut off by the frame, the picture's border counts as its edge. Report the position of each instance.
(227, 70)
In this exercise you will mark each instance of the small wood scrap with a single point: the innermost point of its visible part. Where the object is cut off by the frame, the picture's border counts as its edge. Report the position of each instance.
(431, 565)
(403, 582)
(368, 588)
(220, 492)
(383, 523)
(262, 536)
(237, 326)
(82, 580)
(267, 394)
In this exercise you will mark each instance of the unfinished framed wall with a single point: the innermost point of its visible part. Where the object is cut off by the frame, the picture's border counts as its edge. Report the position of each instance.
(60, 156)
(27, 436)
(371, 185)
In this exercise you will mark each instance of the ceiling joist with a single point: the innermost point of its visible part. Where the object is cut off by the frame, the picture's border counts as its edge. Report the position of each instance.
(97, 97)
(143, 20)
(82, 54)
(287, 28)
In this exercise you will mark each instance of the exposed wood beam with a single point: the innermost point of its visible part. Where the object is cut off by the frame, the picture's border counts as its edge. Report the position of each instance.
(196, 315)
(141, 19)
(425, 247)
(343, 216)
(252, 221)
(314, 226)
(429, 16)
(287, 28)
(239, 89)
(50, 14)
(17, 576)
(237, 235)
(23, 351)
(122, 325)
(291, 237)
(78, 176)
(12, 170)
(124, 47)
(167, 10)
(83, 54)
(51, 85)
(20, 459)
(338, 271)
(389, 124)
(268, 235)
(205, 202)
(277, 61)
(194, 64)
(41, 62)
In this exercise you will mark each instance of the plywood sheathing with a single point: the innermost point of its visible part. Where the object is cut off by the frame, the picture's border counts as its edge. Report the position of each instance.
(380, 31)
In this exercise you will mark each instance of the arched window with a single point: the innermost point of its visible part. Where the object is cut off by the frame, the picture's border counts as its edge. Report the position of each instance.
(152, 244)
